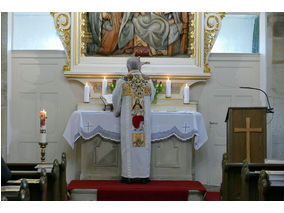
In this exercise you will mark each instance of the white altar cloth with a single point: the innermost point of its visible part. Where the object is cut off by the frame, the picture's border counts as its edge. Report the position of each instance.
(183, 125)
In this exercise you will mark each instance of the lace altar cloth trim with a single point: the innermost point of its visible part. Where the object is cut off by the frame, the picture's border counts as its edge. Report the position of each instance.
(183, 125)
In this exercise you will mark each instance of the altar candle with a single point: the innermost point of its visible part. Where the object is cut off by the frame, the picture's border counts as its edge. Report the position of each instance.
(168, 88)
(42, 138)
(186, 94)
(87, 93)
(104, 86)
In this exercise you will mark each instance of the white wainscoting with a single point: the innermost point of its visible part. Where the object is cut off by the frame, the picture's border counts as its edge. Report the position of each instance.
(37, 82)
(229, 72)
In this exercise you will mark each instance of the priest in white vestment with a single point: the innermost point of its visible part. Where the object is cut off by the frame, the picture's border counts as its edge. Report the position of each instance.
(132, 99)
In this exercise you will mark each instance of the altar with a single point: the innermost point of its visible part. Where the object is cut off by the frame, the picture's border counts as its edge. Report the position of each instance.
(175, 137)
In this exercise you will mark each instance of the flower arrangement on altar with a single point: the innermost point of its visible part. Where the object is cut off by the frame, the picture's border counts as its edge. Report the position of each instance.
(112, 85)
(159, 88)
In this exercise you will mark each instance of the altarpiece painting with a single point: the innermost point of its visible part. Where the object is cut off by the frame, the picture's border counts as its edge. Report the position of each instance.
(138, 33)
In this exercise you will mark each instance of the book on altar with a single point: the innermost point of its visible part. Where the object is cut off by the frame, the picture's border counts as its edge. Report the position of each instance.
(107, 100)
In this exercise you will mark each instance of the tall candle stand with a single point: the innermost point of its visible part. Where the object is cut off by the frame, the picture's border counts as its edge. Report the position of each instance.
(42, 141)
(42, 146)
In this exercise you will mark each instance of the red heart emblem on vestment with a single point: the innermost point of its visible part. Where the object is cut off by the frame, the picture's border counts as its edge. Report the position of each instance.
(136, 120)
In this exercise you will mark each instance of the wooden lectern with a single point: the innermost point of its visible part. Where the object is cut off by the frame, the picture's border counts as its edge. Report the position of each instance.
(246, 134)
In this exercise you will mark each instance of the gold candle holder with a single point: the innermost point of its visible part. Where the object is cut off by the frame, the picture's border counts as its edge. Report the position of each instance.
(42, 146)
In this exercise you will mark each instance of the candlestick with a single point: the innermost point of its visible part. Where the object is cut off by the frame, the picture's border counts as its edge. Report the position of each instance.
(87, 93)
(42, 146)
(43, 117)
(104, 86)
(186, 94)
(168, 88)
(42, 138)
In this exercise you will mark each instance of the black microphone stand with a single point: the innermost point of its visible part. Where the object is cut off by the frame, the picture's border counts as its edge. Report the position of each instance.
(270, 109)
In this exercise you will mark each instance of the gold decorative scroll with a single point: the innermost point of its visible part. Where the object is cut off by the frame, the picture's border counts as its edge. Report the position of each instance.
(192, 35)
(212, 26)
(85, 35)
(62, 22)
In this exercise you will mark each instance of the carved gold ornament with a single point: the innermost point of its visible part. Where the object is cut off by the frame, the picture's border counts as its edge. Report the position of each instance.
(85, 35)
(192, 35)
(62, 22)
(212, 26)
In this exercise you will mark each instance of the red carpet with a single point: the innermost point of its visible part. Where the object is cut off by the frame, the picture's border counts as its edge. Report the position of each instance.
(212, 196)
(113, 190)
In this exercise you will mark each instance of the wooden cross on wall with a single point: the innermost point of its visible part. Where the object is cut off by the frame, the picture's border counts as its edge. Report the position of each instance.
(248, 130)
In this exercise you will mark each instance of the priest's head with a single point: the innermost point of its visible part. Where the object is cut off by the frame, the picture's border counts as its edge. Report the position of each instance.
(133, 63)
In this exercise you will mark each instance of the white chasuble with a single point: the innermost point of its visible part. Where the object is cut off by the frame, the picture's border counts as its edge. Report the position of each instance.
(132, 99)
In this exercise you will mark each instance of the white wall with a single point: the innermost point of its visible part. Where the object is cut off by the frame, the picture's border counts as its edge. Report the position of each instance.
(229, 71)
(275, 86)
(38, 82)
(4, 39)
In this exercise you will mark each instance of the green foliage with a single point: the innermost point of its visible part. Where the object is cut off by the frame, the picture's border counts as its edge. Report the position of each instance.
(159, 88)
(112, 85)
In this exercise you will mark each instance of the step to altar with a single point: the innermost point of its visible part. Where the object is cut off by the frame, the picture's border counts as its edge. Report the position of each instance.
(113, 190)
(83, 195)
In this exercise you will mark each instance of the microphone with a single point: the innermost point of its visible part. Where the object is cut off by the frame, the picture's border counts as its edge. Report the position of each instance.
(270, 109)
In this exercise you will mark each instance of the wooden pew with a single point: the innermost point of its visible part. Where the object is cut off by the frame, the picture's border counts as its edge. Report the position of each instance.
(16, 192)
(231, 188)
(250, 176)
(271, 185)
(57, 185)
(55, 188)
(37, 184)
(22, 166)
(44, 190)
(63, 182)
(55, 181)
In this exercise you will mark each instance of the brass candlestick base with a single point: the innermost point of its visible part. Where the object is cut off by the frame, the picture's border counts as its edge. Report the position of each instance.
(42, 146)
